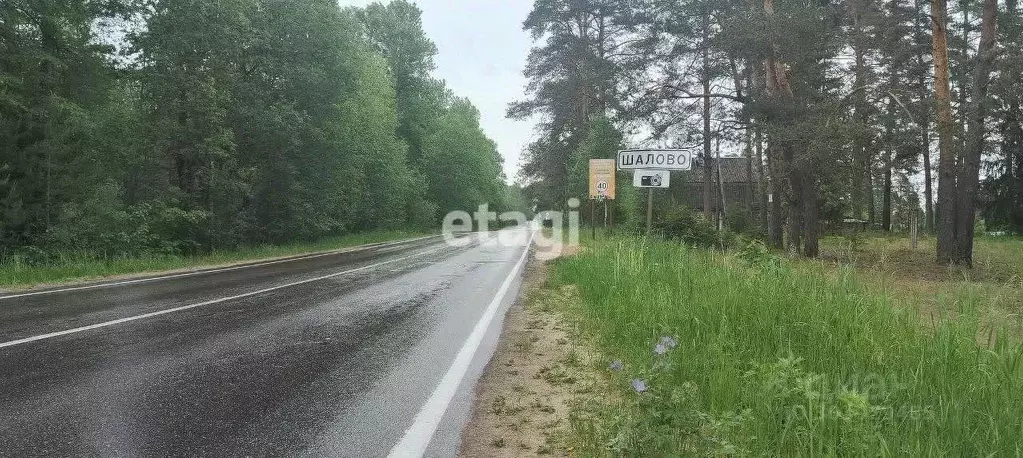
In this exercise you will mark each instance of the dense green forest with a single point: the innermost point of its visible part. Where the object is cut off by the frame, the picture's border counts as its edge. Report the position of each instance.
(131, 127)
(138, 126)
(844, 109)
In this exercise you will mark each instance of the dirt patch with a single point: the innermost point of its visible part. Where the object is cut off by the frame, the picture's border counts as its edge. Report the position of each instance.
(540, 366)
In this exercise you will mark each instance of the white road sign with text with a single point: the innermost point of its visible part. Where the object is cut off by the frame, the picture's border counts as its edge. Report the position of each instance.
(661, 159)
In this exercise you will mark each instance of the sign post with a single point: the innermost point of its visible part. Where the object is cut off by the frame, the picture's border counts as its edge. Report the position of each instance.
(652, 169)
(651, 179)
(611, 216)
(649, 211)
(602, 186)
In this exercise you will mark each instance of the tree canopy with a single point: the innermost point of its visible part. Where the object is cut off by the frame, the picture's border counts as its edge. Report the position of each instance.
(178, 126)
(835, 105)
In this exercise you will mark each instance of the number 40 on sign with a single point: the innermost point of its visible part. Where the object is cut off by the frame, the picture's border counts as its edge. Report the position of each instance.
(602, 179)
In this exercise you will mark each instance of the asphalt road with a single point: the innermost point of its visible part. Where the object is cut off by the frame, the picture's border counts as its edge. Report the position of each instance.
(345, 354)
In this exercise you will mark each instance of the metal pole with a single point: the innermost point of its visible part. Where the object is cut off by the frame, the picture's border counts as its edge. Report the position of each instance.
(612, 215)
(593, 224)
(649, 210)
(605, 215)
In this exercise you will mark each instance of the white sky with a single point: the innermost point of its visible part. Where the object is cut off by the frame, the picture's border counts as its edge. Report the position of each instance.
(482, 51)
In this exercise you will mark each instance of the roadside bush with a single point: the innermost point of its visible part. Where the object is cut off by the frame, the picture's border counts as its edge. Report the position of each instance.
(682, 224)
(104, 227)
(29, 256)
(755, 254)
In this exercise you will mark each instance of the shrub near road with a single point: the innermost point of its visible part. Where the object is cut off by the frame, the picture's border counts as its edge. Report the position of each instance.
(745, 354)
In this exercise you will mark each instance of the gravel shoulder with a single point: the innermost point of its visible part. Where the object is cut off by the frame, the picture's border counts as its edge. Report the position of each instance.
(541, 368)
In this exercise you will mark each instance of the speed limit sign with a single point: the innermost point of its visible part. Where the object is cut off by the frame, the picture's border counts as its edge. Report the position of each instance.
(602, 179)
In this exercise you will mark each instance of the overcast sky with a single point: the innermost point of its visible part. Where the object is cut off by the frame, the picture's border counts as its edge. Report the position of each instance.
(482, 51)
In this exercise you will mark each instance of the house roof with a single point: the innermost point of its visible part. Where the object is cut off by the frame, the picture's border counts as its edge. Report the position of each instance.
(733, 170)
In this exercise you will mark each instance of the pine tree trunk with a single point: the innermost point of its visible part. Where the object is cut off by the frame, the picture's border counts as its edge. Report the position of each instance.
(777, 220)
(889, 157)
(795, 205)
(928, 191)
(868, 173)
(708, 185)
(762, 184)
(723, 209)
(969, 177)
(778, 87)
(860, 116)
(925, 129)
(886, 198)
(946, 152)
(811, 218)
(1013, 149)
(964, 63)
(750, 184)
(1014, 157)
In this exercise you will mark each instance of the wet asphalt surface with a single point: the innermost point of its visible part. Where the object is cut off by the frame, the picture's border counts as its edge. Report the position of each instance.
(333, 366)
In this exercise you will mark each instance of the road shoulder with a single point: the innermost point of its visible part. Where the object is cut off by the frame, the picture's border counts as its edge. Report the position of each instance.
(540, 368)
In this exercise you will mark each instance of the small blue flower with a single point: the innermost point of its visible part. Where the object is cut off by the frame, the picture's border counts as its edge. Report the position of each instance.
(617, 366)
(639, 385)
(669, 342)
(660, 349)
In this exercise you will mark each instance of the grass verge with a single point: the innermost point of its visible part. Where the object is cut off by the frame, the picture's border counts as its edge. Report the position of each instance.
(995, 259)
(717, 354)
(78, 267)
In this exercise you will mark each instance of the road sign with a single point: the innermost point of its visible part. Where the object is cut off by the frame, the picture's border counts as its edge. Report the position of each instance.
(602, 179)
(651, 179)
(662, 159)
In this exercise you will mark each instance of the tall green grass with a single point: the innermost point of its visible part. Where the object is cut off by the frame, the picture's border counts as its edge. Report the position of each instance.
(73, 266)
(774, 359)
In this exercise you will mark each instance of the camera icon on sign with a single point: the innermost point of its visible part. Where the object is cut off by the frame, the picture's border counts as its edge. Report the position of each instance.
(651, 180)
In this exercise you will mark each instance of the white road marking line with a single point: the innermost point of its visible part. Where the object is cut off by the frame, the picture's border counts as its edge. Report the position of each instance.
(212, 271)
(418, 436)
(200, 304)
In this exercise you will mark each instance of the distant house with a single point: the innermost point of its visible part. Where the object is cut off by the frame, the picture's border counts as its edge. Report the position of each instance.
(738, 183)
